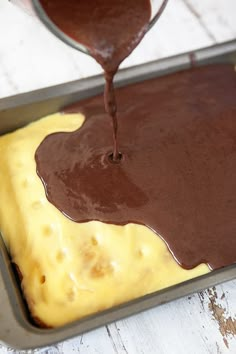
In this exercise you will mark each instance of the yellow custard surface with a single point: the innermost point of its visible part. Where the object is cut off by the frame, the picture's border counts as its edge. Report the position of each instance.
(71, 270)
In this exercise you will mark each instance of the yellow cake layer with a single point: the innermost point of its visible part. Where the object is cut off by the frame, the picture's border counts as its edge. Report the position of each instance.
(69, 269)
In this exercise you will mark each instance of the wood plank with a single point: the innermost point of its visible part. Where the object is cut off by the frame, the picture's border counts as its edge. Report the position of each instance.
(186, 323)
(217, 17)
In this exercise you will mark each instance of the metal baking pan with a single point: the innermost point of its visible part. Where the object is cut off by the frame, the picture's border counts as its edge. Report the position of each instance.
(16, 330)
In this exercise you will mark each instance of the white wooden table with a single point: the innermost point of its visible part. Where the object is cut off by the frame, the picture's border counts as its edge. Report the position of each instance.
(31, 58)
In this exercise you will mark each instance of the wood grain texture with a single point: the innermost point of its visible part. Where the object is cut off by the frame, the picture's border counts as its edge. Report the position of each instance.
(31, 58)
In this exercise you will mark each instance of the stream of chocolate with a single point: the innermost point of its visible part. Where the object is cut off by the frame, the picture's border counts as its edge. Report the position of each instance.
(178, 170)
(109, 29)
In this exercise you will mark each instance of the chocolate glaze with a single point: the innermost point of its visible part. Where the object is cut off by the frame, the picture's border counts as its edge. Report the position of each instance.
(178, 170)
(110, 31)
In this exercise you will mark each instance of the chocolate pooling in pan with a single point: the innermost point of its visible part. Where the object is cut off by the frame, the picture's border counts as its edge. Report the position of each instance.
(177, 172)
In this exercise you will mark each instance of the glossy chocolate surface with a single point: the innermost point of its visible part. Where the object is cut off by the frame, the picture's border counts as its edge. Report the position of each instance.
(177, 174)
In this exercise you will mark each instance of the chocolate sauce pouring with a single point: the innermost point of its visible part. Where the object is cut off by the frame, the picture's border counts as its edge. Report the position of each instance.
(178, 170)
(177, 136)
(109, 29)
